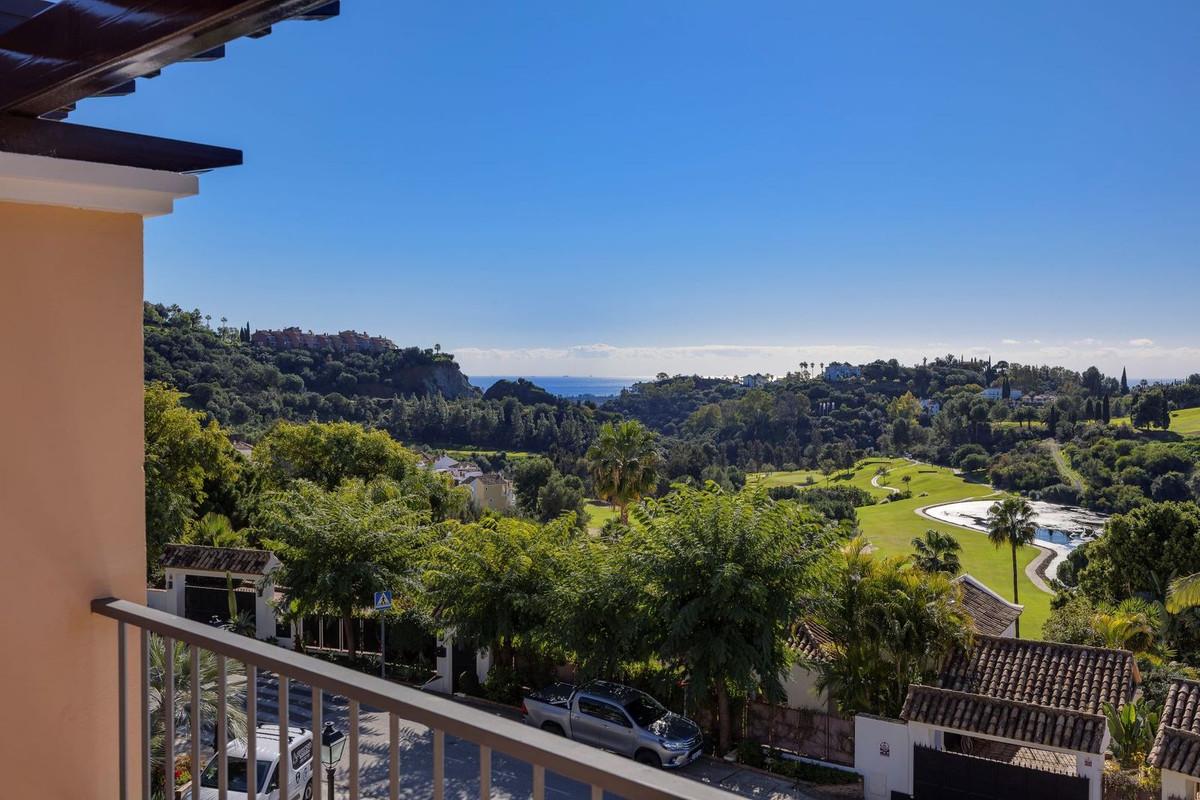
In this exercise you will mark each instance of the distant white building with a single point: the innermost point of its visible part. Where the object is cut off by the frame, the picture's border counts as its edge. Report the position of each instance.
(841, 372)
(755, 381)
(996, 392)
(931, 407)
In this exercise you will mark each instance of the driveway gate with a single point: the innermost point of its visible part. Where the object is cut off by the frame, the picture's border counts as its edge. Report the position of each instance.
(941, 775)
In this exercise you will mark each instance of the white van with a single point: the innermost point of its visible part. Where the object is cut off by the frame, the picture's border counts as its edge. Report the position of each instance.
(266, 774)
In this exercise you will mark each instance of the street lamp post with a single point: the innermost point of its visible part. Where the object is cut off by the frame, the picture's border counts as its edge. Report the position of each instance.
(333, 744)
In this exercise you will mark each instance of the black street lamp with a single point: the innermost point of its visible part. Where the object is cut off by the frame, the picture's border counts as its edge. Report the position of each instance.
(333, 744)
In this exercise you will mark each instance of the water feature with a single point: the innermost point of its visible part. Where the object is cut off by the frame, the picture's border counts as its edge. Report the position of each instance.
(1060, 528)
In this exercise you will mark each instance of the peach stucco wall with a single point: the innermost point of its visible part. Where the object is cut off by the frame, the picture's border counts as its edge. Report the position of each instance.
(71, 494)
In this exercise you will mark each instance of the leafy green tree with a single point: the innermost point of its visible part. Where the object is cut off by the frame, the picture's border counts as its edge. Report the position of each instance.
(1144, 551)
(597, 603)
(726, 575)
(937, 552)
(340, 546)
(1013, 522)
(491, 581)
(1150, 409)
(327, 453)
(624, 463)
(184, 459)
(529, 475)
(890, 625)
(562, 494)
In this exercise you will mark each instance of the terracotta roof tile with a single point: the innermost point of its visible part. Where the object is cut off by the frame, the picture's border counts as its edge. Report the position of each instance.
(810, 639)
(216, 559)
(1177, 744)
(1007, 719)
(991, 615)
(1050, 674)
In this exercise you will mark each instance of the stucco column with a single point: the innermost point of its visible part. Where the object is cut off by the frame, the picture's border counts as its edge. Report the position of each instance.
(71, 462)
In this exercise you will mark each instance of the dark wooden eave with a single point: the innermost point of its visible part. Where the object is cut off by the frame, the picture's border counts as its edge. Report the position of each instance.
(81, 48)
(43, 137)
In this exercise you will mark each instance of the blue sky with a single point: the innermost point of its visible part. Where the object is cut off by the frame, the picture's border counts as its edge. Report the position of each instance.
(620, 188)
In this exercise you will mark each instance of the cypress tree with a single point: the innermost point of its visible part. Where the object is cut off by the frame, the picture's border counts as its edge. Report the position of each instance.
(1107, 411)
(1124, 382)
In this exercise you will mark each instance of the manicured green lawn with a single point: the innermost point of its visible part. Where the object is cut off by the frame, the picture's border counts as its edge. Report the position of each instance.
(464, 453)
(892, 526)
(1185, 422)
(598, 513)
(860, 477)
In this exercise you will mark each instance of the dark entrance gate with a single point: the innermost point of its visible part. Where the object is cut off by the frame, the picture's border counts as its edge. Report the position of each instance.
(941, 775)
(207, 597)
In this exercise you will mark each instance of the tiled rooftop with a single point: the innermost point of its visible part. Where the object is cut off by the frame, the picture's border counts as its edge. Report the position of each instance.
(991, 614)
(216, 559)
(1007, 719)
(1177, 745)
(1050, 674)
(809, 640)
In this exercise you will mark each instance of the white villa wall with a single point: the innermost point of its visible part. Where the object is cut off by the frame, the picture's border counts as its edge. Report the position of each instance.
(883, 756)
(1178, 786)
(802, 692)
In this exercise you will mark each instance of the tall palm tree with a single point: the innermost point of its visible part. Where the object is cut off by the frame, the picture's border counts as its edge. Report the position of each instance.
(1012, 521)
(624, 464)
(937, 552)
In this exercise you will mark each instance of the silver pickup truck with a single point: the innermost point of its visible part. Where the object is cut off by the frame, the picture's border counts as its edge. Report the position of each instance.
(616, 718)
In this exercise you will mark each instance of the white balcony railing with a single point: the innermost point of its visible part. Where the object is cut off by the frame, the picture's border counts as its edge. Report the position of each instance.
(599, 770)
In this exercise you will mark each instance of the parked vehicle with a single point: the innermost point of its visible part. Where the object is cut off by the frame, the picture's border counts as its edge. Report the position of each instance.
(266, 773)
(617, 718)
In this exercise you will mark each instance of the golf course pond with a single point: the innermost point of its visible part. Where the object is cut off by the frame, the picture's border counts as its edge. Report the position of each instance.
(1060, 528)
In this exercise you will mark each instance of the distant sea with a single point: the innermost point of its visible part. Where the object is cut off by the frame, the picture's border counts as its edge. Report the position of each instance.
(564, 385)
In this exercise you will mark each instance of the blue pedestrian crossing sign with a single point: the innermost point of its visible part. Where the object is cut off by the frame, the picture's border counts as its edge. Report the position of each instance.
(383, 601)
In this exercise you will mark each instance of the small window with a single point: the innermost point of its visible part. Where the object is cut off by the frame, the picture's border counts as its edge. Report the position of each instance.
(302, 754)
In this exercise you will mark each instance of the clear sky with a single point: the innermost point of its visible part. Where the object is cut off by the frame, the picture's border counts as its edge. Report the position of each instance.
(619, 188)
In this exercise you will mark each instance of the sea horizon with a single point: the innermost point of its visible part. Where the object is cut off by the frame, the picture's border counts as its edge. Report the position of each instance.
(565, 385)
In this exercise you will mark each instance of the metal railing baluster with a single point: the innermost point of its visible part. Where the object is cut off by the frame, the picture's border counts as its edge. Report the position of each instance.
(539, 782)
(602, 772)
(122, 722)
(439, 764)
(195, 706)
(284, 770)
(393, 757)
(251, 731)
(485, 772)
(353, 750)
(146, 727)
(223, 732)
(168, 714)
(317, 701)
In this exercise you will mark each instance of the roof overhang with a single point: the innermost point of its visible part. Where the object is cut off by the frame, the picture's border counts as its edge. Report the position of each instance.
(43, 180)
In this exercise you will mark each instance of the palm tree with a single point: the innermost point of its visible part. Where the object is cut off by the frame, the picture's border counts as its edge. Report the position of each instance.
(215, 530)
(182, 657)
(1012, 521)
(624, 464)
(1133, 625)
(1183, 593)
(937, 552)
